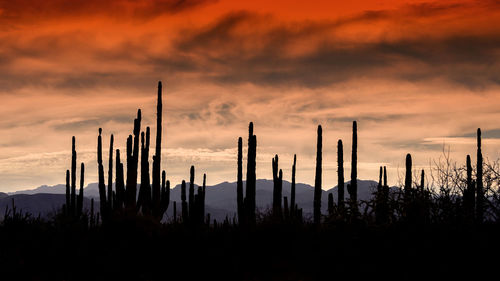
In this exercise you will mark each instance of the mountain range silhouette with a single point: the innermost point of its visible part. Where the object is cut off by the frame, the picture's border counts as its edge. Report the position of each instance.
(220, 198)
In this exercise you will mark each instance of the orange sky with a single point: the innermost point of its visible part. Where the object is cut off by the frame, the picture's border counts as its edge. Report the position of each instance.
(415, 74)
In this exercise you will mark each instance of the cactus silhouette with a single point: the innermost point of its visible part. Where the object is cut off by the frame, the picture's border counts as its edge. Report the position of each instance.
(67, 206)
(239, 184)
(469, 193)
(119, 183)
(165, 195)
(317, 179)
(340, 176)
(408, 200)
(202, 203)
(479, 181)
(184, 206)
(191, 193)
(74, 203)
(72, 207)
(132, 165)
(385, 199)
(408, 177)
(353, 186)
(292, 188)
(158, 207)
(422, 181)
(379, 199)
(102, 185)
(249, 201)
(278, 186)
(152, 200)
(110, 174)
(144, 199)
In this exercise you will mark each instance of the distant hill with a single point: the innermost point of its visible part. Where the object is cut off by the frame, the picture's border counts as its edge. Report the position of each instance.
(44, 204)
(220, 198)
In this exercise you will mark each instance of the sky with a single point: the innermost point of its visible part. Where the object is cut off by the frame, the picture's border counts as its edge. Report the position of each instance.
(418, 76)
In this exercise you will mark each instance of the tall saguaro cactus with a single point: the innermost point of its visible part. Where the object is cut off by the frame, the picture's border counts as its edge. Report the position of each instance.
(353, 187)
(469, 193)
(203, 193)
(249, 200)
(110, 173)
(278, 186)
(239, 185)
(119, 183)
(191, 193)
(292, 189)
(379, 204)
(340, 176)
(408, 176)
(144, 200)
(102, 185)
(422, 181)
(408, 202)
(317, 180)
(479, 181)
(74, 203)
(184, 205)
(73, 177)
(132, 164)
(156, 196)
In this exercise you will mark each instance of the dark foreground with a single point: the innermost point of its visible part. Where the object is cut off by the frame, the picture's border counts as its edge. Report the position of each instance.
(140, 250)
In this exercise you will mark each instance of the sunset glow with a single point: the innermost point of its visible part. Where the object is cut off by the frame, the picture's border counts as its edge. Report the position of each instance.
(414, 74)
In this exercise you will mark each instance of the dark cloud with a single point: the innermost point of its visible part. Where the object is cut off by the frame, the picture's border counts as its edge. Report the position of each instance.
(92, 123)
(28, 11)
(225, 114)
(371, 118)
(485, 134)
(244, 47)
(469, 60)
(411, 145)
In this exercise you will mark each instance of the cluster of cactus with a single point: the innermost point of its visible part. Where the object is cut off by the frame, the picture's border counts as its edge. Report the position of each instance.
(193, 212)
(246, 205)
(473, 195)
(74, 203)
(290, 211)
(153, 200)
(414, 199)
(382, 198)
(415, 207)
(337, 210)
(278, 188)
